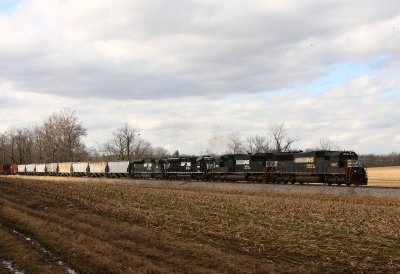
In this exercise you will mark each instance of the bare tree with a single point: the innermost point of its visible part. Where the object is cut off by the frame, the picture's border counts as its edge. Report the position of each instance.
(127, 145)
(258, 144)
(62, 135)
(281, 140)
(4, 148)
(143, 149)
(23, 145)
(11, 134)
(72, 132)
(37, 135)
(235, 144)
(326, 144)
(124, 142)
(159, 152)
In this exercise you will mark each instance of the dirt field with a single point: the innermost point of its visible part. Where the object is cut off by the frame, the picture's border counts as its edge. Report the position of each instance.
(95, 227)
(384, 176)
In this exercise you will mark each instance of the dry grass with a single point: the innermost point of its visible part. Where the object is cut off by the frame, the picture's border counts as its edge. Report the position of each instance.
(3, 270)
(122, 228)
(25, 256)
(384, 176)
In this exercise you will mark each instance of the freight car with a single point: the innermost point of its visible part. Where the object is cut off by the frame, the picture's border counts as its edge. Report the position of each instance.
(326, 167)
(8, 169)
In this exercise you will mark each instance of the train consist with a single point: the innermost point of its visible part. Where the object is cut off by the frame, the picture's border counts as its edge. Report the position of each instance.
(325, 167)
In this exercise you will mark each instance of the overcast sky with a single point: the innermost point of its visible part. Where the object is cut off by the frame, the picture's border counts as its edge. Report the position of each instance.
(186, 73)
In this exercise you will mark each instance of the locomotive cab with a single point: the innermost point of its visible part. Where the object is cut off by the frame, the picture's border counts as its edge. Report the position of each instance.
(355, 170)
(205, 163)
(204, 166)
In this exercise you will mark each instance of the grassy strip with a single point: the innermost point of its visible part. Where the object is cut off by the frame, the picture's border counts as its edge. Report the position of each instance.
(3, 270)
(25, 256)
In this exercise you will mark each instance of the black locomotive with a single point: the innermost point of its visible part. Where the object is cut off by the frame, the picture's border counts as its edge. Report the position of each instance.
(326, 167)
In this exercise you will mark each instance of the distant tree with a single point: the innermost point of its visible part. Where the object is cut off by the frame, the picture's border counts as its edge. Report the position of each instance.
(373, 160)
(326, 144)
(258, 144)
(127, 145)
(122, 143)
(235, 144)
(62, 135)
(175, 154)
(281, 140)
(23, 145)
(159, 152)
(4, 148)
(125, 138)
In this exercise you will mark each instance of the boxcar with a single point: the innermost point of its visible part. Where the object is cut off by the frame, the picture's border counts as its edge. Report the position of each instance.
(21, 169)
(65, 169)
(119, 169)
(52, 168)
(98, 168)
(40, 169)
(80, 168)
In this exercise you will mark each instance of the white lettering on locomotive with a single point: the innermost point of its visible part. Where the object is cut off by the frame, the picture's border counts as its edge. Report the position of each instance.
(304, 160)
(242, 162)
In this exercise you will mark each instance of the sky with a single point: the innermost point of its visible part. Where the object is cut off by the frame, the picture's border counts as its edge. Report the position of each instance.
(188, 73)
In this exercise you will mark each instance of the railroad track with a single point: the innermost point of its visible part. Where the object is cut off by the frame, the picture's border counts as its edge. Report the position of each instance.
(238, 186)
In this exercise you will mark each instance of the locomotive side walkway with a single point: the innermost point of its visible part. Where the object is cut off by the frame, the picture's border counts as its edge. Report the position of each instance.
(237, 186)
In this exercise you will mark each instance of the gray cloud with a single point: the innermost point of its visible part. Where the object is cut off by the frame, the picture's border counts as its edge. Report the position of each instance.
(187, 73)
(159, 49)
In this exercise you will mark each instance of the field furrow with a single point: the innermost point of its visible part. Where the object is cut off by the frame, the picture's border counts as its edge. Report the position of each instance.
(124, 228)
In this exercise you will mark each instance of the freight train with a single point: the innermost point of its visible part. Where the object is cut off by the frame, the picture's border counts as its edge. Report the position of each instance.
(325, 167)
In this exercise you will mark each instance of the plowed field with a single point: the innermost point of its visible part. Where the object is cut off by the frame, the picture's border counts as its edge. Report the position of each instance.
(99, 227)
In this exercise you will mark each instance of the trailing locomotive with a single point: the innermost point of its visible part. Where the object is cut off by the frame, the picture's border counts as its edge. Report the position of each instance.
(325, 167)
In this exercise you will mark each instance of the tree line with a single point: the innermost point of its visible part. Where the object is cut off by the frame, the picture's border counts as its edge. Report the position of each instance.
(59, 138)
(277, 139)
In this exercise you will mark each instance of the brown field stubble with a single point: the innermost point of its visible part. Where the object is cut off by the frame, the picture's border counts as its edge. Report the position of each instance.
(13, 249)
(122, 228)
(384, 176)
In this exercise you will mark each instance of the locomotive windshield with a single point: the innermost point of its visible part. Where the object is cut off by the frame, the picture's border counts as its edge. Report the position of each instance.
(354, 163)
(345, 157)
